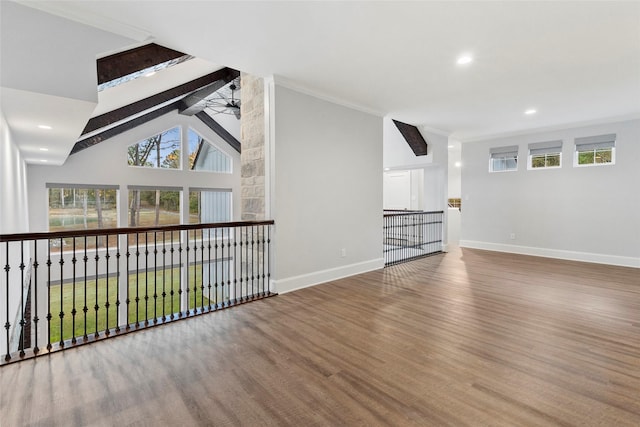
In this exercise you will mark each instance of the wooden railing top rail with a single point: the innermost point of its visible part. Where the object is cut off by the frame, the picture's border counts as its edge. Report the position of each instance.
(126, 230)
(395, 213)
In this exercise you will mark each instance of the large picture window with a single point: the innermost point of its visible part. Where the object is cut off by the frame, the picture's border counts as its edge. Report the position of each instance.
(157, 151)
(151, 206)
(209, 205)
(82, 207)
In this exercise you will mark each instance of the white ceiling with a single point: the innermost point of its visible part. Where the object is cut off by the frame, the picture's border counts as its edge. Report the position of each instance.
(574, 62)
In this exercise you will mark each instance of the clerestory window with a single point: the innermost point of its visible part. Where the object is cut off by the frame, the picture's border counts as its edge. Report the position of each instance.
(204, 156)
(595, 150)
(503, 159)
(544, 155)
(158, 151)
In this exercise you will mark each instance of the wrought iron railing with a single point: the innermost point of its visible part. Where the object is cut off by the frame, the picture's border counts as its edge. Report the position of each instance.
(62, 289)
(410, 235)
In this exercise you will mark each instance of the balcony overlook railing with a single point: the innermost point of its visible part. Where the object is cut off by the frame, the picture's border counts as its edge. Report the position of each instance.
(62, 289)
(409, 235)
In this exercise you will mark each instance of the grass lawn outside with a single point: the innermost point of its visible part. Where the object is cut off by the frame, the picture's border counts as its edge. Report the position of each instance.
(141, 286)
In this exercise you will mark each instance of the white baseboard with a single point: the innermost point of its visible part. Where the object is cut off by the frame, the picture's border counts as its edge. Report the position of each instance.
(622, 261)
(294, 283)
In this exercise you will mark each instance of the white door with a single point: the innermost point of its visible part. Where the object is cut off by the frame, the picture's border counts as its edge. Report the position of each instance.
(397, 190)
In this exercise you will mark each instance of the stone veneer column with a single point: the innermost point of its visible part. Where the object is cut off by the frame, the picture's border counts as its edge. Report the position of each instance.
(252, 155)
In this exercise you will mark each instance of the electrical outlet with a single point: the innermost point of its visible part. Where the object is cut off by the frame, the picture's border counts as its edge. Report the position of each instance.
(512, 236)
(343, 252)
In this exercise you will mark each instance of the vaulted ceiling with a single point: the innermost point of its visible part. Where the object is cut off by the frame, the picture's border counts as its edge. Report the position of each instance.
(573, 62)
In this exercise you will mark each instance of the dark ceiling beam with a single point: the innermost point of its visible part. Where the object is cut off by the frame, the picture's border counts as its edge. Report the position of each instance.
(222, 132)
(117, 130)
(124, 63)
(106, 119)
(413, 137)
(189, 105)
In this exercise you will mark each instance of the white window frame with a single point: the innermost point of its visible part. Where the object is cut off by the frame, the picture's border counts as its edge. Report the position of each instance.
(228, 191)
(549, 148)
(594, 143)
(503, 153)
(180, 148)
(214, 145)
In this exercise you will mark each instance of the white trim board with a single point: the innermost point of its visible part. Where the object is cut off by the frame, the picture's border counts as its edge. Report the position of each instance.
(294, 283)
(621, 261)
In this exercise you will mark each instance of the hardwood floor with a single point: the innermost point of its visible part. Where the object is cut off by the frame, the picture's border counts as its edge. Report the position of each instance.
(467, 338)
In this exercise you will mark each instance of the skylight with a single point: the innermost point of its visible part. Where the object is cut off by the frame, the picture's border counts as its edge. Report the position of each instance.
(144, 72)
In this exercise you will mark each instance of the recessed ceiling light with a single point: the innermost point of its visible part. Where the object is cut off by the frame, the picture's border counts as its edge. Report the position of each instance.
(386, 169)
(451, 146)
(150, 73)
(457, 164)
(47, 127)
(44, 149)
(43, 160)
(464, 60)
(530, 111)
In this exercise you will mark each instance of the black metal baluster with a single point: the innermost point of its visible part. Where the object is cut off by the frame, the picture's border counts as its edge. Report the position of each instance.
(146, 278)
(188, 308)
(155, 276)
(61, 262)
(22, 306)
(400, 241)
(49, 316)
(253, 260)
(74, 262)
(7, 324)
(202, 270)
(269, 260)
(137, 299)
(209, 263)
(117, 283)
(36, 350)
(235, 275)
(259, 259)
(215, 273)
(164, 269)
(240, 265)
(128, 272)
(107, 304)
(225, 232)
(250, 259)
(195, 271)
(85, 309)
(264, 249)
(96, 307)
(180, 273)
(172, 293)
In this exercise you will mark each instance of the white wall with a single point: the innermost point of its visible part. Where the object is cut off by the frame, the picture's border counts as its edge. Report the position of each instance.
(14, 210)
(454, 174)
(13, 184)
(582, 213)
(326, 166)
(106, 164)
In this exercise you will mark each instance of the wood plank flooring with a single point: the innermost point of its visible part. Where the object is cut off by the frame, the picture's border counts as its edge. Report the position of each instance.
(468, 338)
